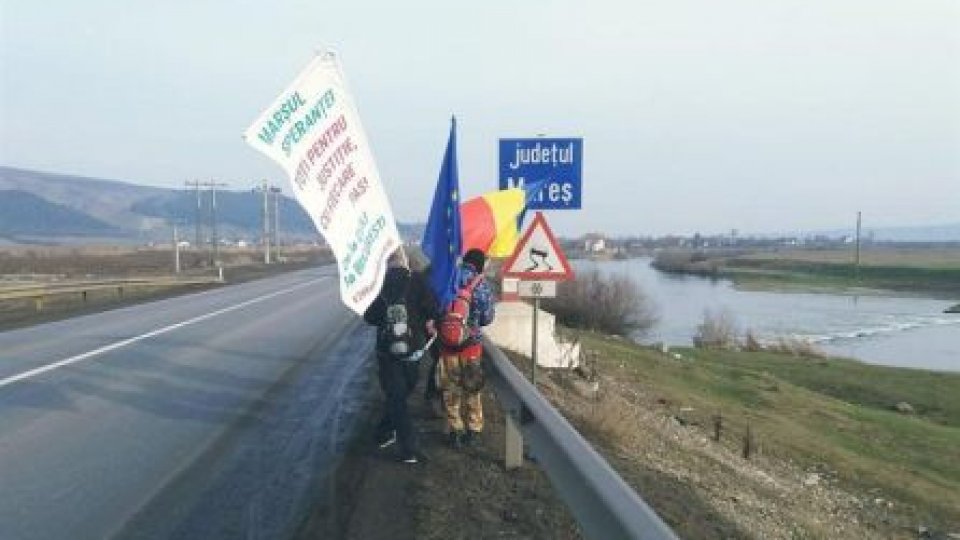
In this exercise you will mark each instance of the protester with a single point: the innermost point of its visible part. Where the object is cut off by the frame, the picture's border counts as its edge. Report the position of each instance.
(431, 388)
(402, 313)
(431, 392)
(461, 373)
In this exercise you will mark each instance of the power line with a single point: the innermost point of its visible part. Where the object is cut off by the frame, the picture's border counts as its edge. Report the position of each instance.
(276, 221)
(214, 239)
(271, 224)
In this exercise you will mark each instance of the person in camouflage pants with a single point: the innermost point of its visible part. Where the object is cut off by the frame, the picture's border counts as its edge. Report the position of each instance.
(461, 372)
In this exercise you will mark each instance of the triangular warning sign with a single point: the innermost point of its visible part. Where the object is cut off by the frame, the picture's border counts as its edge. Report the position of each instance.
(538, 255)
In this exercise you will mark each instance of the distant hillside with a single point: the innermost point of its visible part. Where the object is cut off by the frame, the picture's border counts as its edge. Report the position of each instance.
(105, 200)
(936, 233)
(240, 210)
(23, 213)
(949, 232)
(65, 205)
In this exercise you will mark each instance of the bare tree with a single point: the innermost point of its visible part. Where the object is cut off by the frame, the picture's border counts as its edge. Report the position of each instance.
(717, 331)
(613, 304)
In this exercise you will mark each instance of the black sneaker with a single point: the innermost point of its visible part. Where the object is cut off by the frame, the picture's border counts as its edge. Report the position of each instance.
(387, 439)
(410, 459)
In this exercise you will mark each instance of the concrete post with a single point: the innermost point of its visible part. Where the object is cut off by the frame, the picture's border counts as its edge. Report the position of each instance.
(513, 455)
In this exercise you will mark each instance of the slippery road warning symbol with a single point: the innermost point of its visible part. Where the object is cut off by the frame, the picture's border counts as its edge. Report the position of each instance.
(538, 255)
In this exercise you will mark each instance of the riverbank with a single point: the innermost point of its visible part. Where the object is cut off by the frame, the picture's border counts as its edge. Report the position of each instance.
(839, 448)
(930, 273)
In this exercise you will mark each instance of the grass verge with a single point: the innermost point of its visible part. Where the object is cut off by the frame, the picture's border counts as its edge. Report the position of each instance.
(833, 416)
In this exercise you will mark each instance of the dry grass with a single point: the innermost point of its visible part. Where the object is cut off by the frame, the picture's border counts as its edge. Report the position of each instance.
(123, 261)
(924, 257)
(830, 418)
(23, 265)
(717, 331)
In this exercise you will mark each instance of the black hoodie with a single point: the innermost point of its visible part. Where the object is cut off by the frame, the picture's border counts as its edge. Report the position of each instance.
(415, 294)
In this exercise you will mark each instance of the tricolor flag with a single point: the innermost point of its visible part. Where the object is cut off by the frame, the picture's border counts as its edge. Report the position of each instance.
(489, 222)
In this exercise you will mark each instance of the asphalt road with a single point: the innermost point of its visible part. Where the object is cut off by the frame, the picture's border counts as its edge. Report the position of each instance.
(208, 415)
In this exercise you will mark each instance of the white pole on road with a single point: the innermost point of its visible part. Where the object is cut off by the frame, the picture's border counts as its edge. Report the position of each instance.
(176, 251)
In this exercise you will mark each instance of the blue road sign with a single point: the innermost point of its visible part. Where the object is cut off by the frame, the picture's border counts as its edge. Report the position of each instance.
(558, 163)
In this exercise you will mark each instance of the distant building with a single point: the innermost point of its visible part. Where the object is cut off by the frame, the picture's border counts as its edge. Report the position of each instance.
(594, 243)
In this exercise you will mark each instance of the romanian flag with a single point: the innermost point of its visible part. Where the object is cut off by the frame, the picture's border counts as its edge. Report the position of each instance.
(490, 222)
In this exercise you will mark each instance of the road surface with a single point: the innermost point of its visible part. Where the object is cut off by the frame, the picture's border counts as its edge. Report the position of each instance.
(202, 416)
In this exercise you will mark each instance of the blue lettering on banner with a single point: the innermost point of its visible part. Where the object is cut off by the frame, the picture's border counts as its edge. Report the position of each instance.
(556, 162)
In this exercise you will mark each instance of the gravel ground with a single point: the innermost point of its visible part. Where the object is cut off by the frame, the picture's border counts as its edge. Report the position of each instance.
(450, 494)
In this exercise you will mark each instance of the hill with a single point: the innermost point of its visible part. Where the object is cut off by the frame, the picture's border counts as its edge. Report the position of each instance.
(40, 207)
(23, 213)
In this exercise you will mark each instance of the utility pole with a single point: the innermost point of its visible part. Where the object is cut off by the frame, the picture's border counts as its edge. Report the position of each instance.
(196, 217)
(265, 214)
(214, 253)
(856, 271)
(214, 240)
(276, 222)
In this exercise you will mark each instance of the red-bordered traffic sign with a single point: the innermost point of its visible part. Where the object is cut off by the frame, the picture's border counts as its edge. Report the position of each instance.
(538, 255)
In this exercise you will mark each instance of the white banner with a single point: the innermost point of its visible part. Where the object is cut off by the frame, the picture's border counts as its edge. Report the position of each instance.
(314, 132)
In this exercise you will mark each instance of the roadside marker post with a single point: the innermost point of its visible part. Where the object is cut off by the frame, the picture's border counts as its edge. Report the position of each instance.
(539, 263)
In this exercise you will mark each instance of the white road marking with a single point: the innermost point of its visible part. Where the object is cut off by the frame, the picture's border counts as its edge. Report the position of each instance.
(113, 346)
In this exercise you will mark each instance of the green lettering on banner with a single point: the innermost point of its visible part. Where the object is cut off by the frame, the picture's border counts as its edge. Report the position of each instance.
(353, 245)
(301, 128)
(290, 105)
(369, 239)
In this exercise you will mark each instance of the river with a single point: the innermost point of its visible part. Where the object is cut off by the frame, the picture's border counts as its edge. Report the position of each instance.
(890, 330)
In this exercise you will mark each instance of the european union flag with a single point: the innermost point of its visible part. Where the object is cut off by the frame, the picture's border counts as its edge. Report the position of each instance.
(442, 237)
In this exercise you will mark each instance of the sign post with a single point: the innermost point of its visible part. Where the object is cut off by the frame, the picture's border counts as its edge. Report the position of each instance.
(539, 263)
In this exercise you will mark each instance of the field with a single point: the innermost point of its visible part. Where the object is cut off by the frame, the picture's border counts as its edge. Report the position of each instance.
(52, 267)
(921, 257)
(933, 271)
(832, 456)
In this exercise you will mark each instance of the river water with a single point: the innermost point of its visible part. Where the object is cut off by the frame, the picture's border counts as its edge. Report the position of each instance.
(890, 330)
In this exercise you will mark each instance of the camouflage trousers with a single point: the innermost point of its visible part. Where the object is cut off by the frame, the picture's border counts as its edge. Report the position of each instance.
(457, 400)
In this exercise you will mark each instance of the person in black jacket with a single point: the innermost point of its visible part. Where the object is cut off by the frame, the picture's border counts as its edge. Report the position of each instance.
(401, 314)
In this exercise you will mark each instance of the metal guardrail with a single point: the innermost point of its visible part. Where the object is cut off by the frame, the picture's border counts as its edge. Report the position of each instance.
(602, 503)
(39, 291)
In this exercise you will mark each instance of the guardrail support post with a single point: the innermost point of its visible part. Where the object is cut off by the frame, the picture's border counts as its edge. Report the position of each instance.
(83, 296)
(513, 454)
(38, 303)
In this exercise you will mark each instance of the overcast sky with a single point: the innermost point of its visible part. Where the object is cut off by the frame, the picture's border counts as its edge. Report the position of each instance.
(701, 116)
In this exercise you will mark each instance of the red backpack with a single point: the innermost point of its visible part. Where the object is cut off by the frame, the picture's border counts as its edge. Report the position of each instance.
(454, 332)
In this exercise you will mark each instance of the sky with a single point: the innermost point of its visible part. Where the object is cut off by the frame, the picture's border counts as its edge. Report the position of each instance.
(696, 116)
